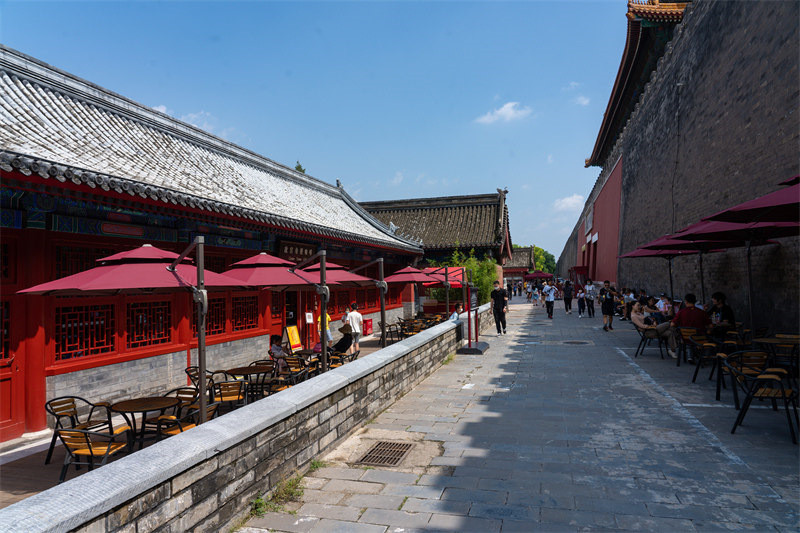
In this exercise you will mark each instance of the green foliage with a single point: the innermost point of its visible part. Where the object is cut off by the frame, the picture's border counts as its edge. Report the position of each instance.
(298, 167)
(545, 261)
(484, 273)
(316, 464)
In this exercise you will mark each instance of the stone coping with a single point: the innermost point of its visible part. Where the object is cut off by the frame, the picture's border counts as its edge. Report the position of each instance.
(79, 500)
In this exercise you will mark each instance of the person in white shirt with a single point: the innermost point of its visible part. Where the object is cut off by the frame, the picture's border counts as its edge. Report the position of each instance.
(458, 310)
(355, 320)
(591, 294)
(549, 294)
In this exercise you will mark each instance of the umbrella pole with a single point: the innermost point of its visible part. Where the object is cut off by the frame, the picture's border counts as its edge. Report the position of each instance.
(446, 292)
(750, 291)
(202, 309)
(702, 278)
(671, 290)
(323, 317)
(382, 294)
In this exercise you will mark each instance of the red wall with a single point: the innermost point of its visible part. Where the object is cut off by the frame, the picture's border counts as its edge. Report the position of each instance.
(606, 226)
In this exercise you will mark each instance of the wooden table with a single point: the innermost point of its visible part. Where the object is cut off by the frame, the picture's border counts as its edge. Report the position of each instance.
(143, 406)
(248, 371)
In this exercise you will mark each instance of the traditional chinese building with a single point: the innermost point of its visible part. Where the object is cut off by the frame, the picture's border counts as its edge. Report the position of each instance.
(522, 261)
(450, 223)
(697, 121)
(87, 173)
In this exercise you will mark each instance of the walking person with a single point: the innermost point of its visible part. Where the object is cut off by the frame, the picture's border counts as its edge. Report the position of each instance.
(549, 295)
(590, 294)
(529, 291)
(499, 307)
(607, 295)
(581, 296)
(568, 297)
(356, 321)
(509, 290)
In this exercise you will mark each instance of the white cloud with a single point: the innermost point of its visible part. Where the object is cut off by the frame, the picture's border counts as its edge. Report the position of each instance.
(397, 179)
(569, 203)
(163, 109)
(581, 100)
(202, 119)
(571, 86)
(550, 159)
(508, 112)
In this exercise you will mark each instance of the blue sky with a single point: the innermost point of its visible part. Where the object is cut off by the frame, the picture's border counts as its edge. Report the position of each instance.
(395, 99)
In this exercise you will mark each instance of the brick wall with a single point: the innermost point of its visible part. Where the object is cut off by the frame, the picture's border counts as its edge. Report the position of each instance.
(729, 134)
(206, 478)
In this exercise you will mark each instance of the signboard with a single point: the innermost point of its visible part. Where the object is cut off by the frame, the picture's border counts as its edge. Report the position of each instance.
(295, 251)
(473, 297)
(293, 336)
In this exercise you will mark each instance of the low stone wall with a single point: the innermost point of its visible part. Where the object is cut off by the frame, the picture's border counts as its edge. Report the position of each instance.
(206, 478)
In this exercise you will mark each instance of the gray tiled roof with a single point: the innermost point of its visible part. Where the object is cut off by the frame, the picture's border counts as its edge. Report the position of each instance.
(521, 258)
(57, 125)
(449, 221)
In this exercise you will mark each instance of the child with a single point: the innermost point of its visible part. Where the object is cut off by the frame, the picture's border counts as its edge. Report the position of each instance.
(581, 295)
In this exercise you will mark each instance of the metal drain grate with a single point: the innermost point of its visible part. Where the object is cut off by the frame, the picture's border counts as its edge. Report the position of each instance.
(386, 454)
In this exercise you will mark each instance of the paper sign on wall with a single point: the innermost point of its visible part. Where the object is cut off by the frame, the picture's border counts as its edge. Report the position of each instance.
(309, 318)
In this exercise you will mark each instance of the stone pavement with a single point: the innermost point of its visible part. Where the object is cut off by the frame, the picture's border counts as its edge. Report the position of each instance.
(540, 434)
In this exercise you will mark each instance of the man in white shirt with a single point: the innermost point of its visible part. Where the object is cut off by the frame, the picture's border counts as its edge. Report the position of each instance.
(355, 320)
(549, 293)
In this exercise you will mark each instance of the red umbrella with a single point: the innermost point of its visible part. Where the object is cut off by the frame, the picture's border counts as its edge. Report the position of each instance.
(748, 233)
(409, 275)
(794, 180)
(337, 274)
(264, 270)
(142, 268)
(782, 205)
(455, 276)
(537, 275)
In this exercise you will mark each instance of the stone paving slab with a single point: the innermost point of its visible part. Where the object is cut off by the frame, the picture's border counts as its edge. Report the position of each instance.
(554, 437)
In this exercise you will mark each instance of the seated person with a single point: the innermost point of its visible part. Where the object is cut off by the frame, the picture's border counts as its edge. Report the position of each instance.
(651, 310)
(721, 315)
(665, 306)
(664, 330)
(690, 316)
(276, 351)
(643, 297)
(346, 341)
(458, 310)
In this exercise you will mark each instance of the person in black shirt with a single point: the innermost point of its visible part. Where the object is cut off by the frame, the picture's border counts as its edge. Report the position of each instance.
(721, 315)
(568, 297)
(607, 294)
(346, 341)
(499, 307)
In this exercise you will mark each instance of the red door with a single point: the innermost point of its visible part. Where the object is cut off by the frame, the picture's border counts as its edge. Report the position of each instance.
(12, 397)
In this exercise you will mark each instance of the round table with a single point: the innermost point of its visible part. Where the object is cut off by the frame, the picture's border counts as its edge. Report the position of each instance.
(249, 370)
(143, 406)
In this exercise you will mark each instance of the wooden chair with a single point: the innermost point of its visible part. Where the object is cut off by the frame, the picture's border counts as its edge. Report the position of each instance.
(187, 399)
(296, 369)
(684, 335)
(771, 384)
(232, 392)
(65, 410)
(85, 447)
(169, 425)
(645, 337)
(268, 383)
(742, 367)
(704, 350)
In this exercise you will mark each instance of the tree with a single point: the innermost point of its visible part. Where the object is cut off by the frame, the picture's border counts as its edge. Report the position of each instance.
(484, 274)
(545, 261)
(298, 167)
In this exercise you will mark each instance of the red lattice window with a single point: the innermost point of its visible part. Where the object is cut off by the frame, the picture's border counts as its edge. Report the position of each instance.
(361, 298)
(84, 330)
(215, 318)
(244, 312)
(339, 300)
(276, 309)
(5, 348)
(149, 323)
(73, 259)
(372, 299)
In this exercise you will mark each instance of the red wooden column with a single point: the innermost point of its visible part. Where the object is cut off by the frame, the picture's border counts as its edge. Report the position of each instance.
(36, 256)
